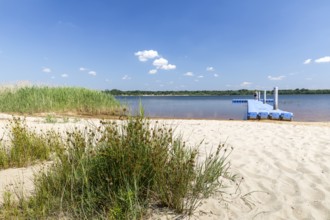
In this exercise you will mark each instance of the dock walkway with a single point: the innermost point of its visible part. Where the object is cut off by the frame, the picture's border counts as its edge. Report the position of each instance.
(258, 110)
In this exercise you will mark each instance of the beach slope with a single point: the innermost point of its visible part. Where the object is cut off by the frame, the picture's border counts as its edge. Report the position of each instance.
(283, 168)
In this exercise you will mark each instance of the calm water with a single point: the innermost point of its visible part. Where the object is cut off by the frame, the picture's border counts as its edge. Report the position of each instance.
(304, 107)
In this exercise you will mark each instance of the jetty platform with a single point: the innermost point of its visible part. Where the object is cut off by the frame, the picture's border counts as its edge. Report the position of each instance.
(260, 110)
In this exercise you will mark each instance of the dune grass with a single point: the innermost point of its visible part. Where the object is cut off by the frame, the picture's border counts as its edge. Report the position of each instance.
(118, 171)
(26, 146)
(34, 99)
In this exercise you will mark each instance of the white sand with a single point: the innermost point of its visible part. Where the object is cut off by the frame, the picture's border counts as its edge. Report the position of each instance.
(285, 166)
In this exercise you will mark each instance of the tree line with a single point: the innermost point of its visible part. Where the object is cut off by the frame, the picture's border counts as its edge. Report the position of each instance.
(117, 92)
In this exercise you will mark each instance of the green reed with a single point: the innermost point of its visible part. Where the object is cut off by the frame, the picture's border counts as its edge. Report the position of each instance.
(58, 99)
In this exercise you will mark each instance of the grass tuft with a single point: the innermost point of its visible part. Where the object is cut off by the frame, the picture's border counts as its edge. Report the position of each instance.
(27, 147)
(118, 171)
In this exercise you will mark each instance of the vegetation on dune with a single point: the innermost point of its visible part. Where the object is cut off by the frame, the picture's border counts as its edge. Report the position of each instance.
(26, 147)
(117, 171)
(33, 99)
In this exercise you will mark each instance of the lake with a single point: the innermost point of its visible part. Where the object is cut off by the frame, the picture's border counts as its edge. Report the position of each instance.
(304, 107)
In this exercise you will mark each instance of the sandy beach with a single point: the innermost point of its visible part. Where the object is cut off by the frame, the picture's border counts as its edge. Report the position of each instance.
(283, 168)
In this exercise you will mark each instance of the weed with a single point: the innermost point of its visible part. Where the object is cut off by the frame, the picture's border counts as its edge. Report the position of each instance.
(50, 119)
(65, 119)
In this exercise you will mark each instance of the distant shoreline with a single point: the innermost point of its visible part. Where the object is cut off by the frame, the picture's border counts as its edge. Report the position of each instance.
(117, 92)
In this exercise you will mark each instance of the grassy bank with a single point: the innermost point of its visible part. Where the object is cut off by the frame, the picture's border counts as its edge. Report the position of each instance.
(33, 100)
(118, 171)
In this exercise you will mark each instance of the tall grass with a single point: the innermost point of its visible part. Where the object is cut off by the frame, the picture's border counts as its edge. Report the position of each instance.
(118, 171)
(35, 99)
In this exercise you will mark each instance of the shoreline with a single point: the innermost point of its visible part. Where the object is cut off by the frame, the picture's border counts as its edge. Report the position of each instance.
(5, 116)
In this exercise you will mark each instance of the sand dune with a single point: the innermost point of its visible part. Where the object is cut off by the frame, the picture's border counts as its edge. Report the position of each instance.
(283, 168)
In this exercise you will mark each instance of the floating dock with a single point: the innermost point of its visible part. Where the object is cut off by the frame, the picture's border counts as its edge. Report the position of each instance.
(259, 109)
(246, 100)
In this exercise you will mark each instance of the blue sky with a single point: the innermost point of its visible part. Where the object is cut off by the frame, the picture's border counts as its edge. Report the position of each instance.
(166, 45)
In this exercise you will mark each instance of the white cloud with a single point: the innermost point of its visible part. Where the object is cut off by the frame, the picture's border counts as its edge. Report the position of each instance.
(46, 70)
(200, 76)
(215, 75)
(308, 61)
(64, 75)
(162, 63)
(126, 77)
(146, 55)
(168, 67)
(92, 73)
(246, 83)
(323, 60)
(210, 69)
(276, 78)
(83, 69)
(153, 71)
(189, 74)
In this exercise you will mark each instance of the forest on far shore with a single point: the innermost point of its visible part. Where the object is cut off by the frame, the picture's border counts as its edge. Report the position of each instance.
(117, 92)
